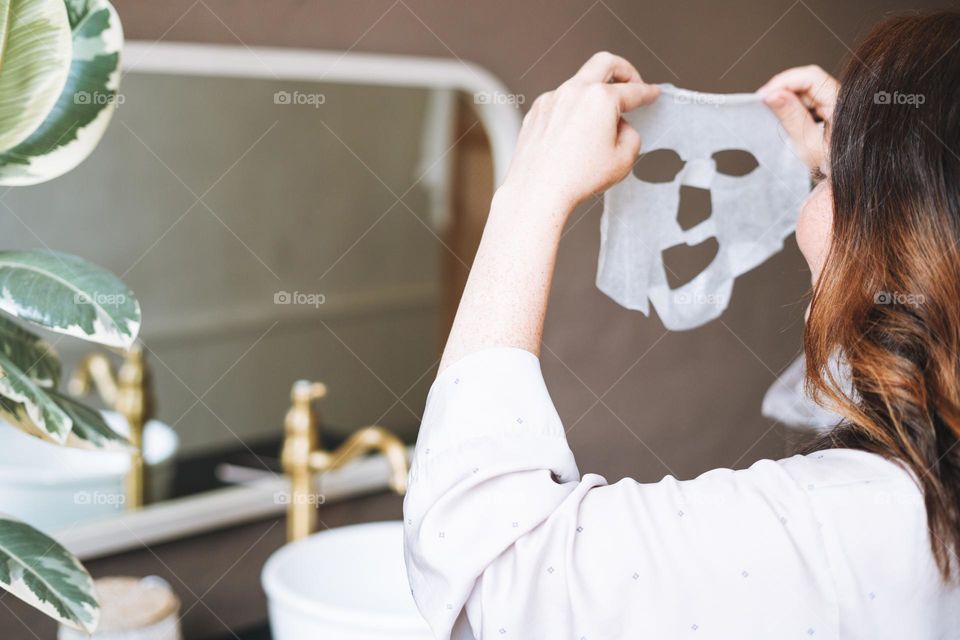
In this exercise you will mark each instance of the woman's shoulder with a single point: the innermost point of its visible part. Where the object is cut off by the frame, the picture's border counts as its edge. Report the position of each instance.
(831, 470)
(842, 469)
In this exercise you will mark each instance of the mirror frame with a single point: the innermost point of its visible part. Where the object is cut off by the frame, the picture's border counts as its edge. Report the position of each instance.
(258, 499)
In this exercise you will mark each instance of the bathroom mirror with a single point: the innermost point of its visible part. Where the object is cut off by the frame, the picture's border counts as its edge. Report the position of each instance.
(280, 215)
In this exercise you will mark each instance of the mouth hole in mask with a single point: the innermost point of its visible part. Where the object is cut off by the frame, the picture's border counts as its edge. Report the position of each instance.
(695, 206)
(658, 166)
(683, 263)
(735, 162)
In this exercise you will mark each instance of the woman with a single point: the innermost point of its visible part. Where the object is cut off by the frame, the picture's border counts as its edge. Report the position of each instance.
(856, 540)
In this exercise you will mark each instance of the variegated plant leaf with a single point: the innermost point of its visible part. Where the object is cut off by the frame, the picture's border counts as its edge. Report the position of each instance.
(27, 406)
(90, 429)
(34, 63)
(80, 116)
(30, 353)
(66, 294)
(37, 569)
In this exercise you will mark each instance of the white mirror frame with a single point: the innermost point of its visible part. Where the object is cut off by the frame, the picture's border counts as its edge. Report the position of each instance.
(262, 497)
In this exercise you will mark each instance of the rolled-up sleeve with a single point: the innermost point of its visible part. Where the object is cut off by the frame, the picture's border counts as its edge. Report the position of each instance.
(504, 539)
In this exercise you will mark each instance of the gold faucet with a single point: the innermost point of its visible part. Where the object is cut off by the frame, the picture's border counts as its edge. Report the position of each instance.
(129, 393)
(302, 458)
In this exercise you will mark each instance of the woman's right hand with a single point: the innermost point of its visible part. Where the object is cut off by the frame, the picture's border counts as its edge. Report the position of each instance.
(573, 142)
(795, 95)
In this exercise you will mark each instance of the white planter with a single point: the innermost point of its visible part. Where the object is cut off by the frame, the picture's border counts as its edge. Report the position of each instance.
(53, 487)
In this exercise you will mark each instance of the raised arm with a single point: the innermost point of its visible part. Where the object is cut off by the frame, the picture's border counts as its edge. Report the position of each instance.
(573, 143)
(505, 539)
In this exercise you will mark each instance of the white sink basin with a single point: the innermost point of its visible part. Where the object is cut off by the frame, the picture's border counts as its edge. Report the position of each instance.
(348, 583)
(53, 487)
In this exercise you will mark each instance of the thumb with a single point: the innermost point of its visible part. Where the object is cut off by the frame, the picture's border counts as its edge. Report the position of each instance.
(806, 134)
(628, 144)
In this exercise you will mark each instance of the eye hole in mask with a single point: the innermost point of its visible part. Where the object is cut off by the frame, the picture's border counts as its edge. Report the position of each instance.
(658, 166)
(735, 162)
(682, 263)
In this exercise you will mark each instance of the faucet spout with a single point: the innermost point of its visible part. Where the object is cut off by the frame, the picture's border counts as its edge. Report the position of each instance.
(302, 457)
(94, 372)
(372, 438)
(128, 392)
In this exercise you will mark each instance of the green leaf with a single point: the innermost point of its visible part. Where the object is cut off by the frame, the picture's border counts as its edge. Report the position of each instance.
(35, 53)
(29, 353)
(83, 110)
(36, 569)
(28, 406)
(90, 430)
(66, 294)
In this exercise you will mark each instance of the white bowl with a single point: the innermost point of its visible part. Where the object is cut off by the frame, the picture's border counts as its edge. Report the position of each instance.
(348, 583)
(53, 487)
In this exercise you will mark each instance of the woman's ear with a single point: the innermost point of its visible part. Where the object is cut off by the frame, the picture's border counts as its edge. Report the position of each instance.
(815, 228)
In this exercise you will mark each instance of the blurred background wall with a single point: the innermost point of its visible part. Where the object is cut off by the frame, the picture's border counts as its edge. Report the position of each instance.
(637, 401)
(284, 210)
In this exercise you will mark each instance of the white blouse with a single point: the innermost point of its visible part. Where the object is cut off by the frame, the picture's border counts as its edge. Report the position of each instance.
(504, 539)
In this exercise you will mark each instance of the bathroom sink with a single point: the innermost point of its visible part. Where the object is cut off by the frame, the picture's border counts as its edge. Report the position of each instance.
(347, 583)
(54, 487)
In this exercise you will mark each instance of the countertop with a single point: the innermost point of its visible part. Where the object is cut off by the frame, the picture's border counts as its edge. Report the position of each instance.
(216, 575)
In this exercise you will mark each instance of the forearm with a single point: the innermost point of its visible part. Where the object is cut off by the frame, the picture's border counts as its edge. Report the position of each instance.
(505, 299)
(573, 143)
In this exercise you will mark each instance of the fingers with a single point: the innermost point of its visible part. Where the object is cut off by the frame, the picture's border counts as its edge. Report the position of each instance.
(628, 142)
(798, 79)
(606, 67)
(815, 87)
(630, 95)
(619, 77)
(806, 134)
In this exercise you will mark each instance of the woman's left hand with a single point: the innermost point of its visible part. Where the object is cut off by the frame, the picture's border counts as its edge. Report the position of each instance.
(573, 142)
(795, 96)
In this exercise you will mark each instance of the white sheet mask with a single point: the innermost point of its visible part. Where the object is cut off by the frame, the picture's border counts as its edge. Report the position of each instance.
(787, 402)
(750, 216)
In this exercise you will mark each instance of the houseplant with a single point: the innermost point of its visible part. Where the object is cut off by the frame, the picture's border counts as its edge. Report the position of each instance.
(59, 73)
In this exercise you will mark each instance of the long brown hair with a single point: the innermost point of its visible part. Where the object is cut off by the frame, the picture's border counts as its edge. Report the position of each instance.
(888, 299)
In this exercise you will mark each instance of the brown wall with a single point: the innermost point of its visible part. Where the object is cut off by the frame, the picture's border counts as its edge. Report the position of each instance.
(692, 400)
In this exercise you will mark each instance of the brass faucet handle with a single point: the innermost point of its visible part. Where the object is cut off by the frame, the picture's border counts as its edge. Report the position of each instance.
(304, 391)
(301, 418)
